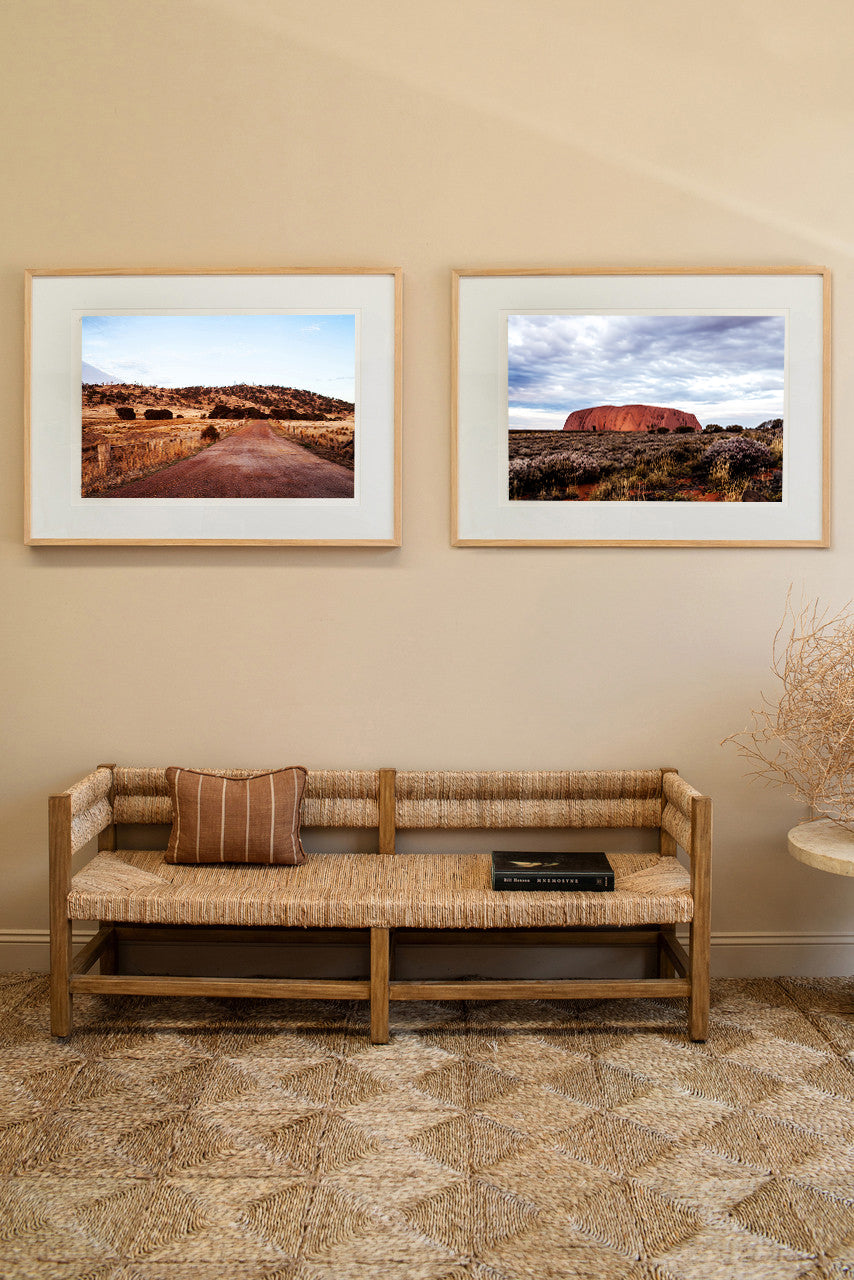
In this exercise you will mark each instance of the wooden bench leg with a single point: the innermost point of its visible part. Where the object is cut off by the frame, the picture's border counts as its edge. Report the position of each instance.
(108, 955)
(379, 985)
(665, 964)
(698, 1001)
(60, 975)
(60, 925)
(700, 930)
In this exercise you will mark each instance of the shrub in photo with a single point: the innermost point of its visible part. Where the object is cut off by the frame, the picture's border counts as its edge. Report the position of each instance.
(615, 489)
(552, 475)
(741, 457)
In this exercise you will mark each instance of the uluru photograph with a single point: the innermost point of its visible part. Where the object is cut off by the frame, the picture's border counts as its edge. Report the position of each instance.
(645, 408)
(218, 406)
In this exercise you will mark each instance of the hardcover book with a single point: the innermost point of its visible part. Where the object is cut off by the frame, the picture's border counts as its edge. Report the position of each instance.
(586, 872)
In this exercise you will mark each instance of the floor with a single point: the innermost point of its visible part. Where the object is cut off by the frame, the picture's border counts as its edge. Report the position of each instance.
(193, 1140)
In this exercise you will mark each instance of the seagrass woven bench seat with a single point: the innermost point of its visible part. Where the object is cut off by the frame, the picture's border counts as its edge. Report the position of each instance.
(384, 891)
(366, 891)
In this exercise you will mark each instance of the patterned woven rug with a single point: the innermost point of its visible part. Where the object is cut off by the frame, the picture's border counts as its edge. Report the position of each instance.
(205, 1140)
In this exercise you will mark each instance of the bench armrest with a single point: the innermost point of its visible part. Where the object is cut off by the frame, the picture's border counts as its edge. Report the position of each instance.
(75, 817)
(685, 817)
(686, 821)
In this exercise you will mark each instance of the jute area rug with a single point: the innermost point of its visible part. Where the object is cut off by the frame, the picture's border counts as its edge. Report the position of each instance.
(204, 1140)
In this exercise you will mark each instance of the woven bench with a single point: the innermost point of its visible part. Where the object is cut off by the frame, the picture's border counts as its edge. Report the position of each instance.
(381, 892)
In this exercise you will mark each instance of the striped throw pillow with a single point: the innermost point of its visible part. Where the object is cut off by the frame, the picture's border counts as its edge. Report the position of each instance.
(221, 819)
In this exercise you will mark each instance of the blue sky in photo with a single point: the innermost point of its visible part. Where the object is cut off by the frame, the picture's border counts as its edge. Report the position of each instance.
(723, 368)
(311, 352)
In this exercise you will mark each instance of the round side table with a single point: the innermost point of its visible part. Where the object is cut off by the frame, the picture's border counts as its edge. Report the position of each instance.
(824, 844)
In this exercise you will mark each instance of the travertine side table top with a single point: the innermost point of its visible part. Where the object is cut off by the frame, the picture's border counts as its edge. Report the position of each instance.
(824, 844)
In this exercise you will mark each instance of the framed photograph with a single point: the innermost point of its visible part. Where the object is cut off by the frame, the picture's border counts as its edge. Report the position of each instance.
(647, 408)
(213, 407)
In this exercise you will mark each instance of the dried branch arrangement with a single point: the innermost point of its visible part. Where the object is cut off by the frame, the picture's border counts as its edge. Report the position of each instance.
(805, 742)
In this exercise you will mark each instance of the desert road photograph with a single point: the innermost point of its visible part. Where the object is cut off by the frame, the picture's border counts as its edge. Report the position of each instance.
(218, 406)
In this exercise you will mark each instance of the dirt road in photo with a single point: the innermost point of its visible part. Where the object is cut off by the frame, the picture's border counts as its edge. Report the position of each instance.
(253, 462)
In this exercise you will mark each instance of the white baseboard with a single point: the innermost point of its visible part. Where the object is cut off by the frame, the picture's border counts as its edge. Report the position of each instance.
(30, 948)
(790, 955)
(734, 955)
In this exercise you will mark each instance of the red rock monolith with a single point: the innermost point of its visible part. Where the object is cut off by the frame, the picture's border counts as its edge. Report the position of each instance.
(630, 417)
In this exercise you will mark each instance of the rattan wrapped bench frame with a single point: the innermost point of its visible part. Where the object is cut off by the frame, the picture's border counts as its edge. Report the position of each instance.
(383, 892)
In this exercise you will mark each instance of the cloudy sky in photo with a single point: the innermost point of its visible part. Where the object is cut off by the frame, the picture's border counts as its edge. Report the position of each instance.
(723, 368)
(311, 352)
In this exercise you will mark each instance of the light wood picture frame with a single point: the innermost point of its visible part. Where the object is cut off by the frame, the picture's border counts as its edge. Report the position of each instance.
(213, 407)
(665, 407)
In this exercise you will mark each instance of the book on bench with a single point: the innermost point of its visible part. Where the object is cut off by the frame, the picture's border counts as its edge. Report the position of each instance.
(566, 872)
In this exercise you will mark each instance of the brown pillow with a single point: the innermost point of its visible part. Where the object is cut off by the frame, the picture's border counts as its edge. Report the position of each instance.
(217, 819)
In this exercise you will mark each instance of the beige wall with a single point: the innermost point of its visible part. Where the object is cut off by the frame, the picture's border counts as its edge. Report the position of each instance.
(455, 133)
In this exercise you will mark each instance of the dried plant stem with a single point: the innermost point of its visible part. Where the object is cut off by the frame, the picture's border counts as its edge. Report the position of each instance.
(805, 741)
